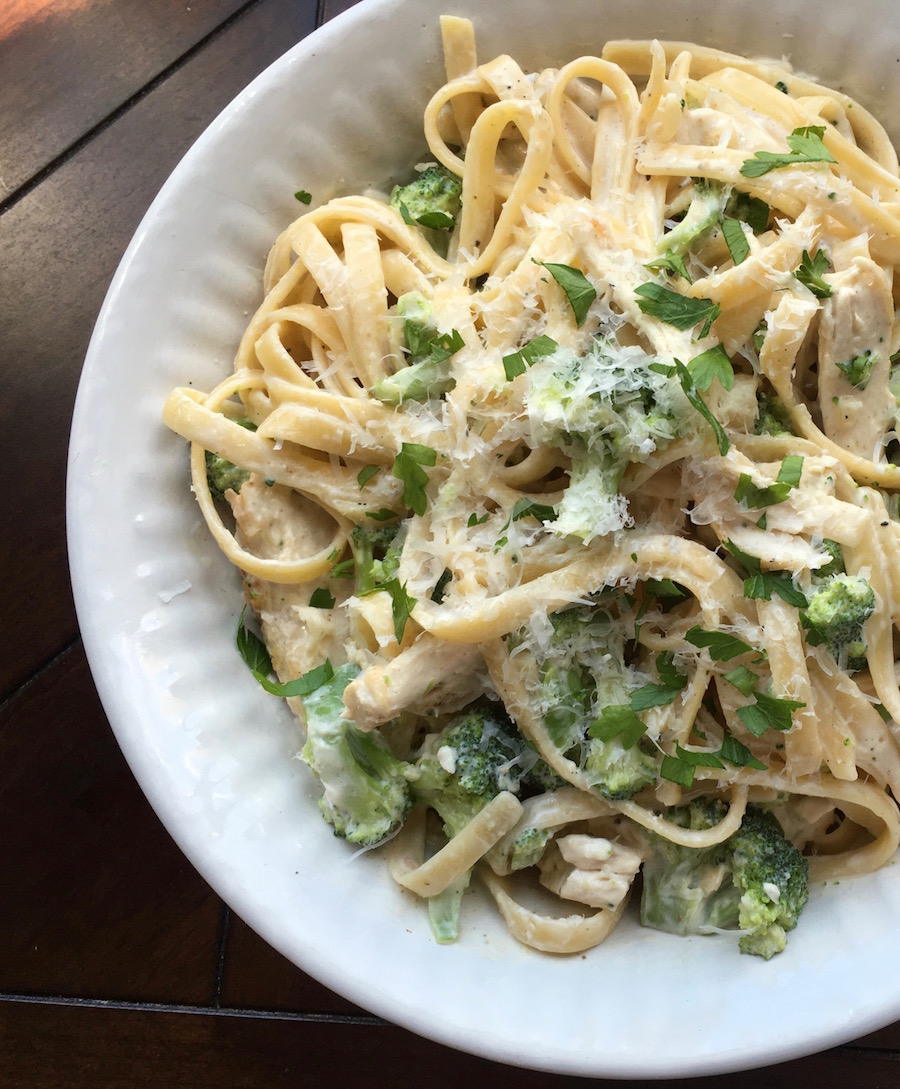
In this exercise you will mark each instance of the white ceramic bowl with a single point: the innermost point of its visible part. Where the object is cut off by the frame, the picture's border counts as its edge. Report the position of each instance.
(158, 604)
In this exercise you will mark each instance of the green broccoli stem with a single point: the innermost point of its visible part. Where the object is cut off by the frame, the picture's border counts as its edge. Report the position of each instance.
(366, 795)
(445, 908)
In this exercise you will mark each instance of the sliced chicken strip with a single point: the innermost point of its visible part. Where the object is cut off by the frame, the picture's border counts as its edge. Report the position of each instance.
(275, 522)
(589, 869)
(855, 324)
(430, 674)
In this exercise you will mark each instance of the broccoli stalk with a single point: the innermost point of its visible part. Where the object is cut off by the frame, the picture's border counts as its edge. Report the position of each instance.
(582, 671)
(755, 881)
(428, 352)
(838, 608)
(376, 556)
(366, 795)
(444, 909)
(605, 410)
(705, 211)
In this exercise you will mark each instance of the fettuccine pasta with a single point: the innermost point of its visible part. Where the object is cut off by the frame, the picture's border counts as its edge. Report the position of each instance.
(601, 445)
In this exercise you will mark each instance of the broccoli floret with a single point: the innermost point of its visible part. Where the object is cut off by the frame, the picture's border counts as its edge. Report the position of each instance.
(432, 199)
(476, 756)
(376, 555)
(838, 608)
(582, 671)
(835, 565)
(367, 795)
(428, 352)
(773, 417)
(773, 879)
(605, 410)
(755, 881)
(223, 475)
(619, 771)
(528, 847)
(705, 211)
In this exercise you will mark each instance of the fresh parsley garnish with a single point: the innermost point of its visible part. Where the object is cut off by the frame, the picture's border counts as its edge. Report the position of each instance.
(735, 240)
(671, 682)
(517, 363)
(408, 468)
(743, 679)
(303, 196)
(437, 594)
(733, 752)
(666, 588)
(530, 508)
(578, 289)
(810, 273)
(681, 767)
(858, 370)
(681, 770)
(806, 147)
(402, 604)
(692, 394)
(424, 343)
(525, 508)
(321, 598)
(365, 474)
(768, 712)
(383, 514)
(253, 651)
(761, 585)
(750, 210)
(435, 221)
(676, 309)
(722, 646)
(618, 720)
(669, 262)
(714, 363)
(754, 497)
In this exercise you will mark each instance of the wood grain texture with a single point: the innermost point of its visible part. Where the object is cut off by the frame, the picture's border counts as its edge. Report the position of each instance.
(68, 64)
(69, 1047)
(95, 899)
(61, 244)
(256, 977)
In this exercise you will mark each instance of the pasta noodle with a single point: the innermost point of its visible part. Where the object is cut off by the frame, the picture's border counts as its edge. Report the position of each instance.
(621, 429)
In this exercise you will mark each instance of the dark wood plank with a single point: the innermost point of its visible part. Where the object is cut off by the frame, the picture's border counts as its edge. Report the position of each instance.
(65, 1047)
(331, 8)
(95, 898)
(61, 244)
(257, 977)
(68, 64)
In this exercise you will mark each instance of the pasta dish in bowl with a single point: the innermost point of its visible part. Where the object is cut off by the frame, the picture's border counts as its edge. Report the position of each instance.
(559, 470)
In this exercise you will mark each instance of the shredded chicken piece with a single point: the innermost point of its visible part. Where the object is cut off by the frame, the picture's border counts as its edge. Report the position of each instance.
(274, 522)
(590, 869)
(431, 673)
(856, 321)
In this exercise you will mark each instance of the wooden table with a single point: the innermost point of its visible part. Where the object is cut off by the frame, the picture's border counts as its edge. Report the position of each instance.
(118, 965)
